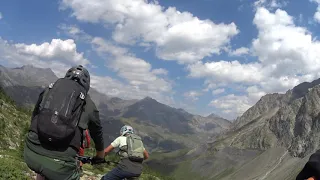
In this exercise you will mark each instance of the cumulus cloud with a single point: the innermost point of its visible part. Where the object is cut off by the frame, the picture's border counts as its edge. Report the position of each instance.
(58, 55)
(224, 71)
(231, 105)
(175, 35)
(218, 91)
(141, 79)
(136, 71)
(75, 32)
(278, 51)
(240, 51)
(102, 46)
(192, 95)
(115, 88)
(160, 71)
(317, 14)
(271, 4)
(57, 49)
(286, 56)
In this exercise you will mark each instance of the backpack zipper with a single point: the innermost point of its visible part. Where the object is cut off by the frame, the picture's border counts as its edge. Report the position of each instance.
(69, 103)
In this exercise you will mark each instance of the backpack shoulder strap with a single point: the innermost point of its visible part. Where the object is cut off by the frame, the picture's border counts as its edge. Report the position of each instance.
(44, 96)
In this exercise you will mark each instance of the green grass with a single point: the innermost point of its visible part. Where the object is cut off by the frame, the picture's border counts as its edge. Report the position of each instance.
(13, 169)
(14, 123)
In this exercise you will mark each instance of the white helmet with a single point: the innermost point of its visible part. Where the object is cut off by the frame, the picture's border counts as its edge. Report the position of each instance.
(126, 129)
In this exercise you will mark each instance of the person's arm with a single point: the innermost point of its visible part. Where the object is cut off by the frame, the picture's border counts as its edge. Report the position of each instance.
(145, 154)
(87, 138)
(311, 168)
(95, 128)
(108, 150)
(115, 143)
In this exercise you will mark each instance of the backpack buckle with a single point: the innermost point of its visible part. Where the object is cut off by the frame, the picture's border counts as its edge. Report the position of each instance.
(82, 96)
(51, 85)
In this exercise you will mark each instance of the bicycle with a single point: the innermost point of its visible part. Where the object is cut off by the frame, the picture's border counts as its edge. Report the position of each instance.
(86, 160)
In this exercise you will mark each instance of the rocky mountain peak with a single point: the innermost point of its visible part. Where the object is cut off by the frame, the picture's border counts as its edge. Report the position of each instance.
(212, 115)
(289, 120)
(28, 75)
(303, 88)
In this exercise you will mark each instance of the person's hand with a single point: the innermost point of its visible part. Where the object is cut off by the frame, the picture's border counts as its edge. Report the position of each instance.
(97, 160)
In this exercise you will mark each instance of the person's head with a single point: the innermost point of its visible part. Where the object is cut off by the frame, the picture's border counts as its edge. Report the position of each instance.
(80, 74)
(126, 130)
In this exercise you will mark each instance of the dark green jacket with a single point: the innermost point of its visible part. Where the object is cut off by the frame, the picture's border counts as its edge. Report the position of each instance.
(89, 120)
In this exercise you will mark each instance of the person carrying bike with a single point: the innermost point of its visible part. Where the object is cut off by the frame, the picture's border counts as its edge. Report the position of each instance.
(132, 153)
(63, 111)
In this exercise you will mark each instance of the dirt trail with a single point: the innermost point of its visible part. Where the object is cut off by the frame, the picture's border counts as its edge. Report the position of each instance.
(274, 167)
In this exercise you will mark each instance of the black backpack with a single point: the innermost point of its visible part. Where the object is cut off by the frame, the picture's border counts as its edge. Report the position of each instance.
(60, 112)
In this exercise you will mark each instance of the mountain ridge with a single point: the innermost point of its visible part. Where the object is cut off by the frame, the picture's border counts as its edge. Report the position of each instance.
(271, 140)
(115, 111)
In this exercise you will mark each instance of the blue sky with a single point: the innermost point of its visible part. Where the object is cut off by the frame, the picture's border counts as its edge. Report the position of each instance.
(206, 56)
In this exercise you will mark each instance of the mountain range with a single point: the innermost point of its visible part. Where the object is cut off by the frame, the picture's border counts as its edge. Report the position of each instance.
(271, 140)
(164, 128)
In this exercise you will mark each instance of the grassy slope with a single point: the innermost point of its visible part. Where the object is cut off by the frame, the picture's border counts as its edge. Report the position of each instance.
(14, 122)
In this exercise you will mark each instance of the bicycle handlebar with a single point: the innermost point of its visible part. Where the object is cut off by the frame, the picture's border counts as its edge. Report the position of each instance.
(88, 160)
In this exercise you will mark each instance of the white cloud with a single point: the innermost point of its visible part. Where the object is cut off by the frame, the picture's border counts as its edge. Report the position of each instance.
(192, 95)
(102, 46)
(231, 105)
(317, 14)
(1, 16)
(141, 78)
(115, 88)
(282, 47)
(57, 49)
(160, 71)
(271, 4)
(58, 55)
(218, 91)
(75, 32)
(136, 71)
(224, 71)
(240, 51)
(286, 56)
(176, 35)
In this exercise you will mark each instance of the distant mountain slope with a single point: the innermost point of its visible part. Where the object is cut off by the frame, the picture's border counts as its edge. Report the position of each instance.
(151, 111)
(281, 130)
(28, 76)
